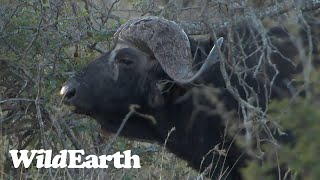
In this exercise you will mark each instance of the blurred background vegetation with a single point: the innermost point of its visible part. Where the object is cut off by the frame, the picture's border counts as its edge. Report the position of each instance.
(43, 43)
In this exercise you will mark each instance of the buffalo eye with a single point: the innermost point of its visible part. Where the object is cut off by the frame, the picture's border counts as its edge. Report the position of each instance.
(125, 61)
(126, 56)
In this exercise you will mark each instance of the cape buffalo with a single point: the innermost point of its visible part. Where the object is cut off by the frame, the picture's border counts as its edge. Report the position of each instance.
(150, 71)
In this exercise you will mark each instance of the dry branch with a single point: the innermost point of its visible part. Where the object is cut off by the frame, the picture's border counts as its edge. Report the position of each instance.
(196, 28)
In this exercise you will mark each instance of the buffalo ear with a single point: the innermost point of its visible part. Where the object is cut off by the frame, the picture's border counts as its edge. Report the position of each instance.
(155, 98)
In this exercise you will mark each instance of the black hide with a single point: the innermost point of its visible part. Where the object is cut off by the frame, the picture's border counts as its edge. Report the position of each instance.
(100, 91)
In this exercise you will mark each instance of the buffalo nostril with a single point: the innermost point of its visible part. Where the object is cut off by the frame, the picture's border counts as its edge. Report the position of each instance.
(68, 91)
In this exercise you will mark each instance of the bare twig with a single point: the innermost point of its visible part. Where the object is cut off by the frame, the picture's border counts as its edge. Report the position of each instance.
(277, 9)
(132, 110)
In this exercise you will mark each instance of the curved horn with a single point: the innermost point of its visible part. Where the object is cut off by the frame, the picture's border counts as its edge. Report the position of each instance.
(168, 43)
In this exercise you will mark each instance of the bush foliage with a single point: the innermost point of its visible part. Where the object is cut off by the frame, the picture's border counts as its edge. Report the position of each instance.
(43, 43)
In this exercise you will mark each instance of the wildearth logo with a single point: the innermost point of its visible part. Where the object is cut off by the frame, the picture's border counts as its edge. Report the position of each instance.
(72, 159)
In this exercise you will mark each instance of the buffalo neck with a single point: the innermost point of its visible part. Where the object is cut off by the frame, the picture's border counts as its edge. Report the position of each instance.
(197, 135)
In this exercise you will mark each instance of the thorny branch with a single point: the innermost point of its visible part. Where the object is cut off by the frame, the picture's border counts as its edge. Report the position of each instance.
(194, 28)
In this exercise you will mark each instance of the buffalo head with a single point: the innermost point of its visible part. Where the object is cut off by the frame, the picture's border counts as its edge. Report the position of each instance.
(147, 51)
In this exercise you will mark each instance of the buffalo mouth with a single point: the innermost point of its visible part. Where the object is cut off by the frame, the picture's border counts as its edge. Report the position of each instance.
(76, 108)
